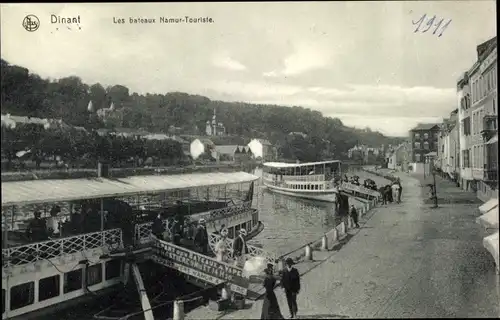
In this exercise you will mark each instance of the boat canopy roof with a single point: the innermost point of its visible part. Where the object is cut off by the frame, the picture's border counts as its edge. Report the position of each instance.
(61, 190)
(279, 165)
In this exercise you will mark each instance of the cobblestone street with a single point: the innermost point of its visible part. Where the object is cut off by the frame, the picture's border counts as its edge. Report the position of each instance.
(407, 260)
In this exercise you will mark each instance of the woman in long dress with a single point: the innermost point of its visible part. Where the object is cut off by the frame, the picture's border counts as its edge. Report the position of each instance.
(221, 248)
(270, 307)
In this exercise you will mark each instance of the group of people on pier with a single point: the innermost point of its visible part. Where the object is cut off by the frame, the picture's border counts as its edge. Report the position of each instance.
(391, 192)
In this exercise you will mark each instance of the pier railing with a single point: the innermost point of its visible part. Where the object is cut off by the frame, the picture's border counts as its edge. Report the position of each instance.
(143, 230)
(29, 253)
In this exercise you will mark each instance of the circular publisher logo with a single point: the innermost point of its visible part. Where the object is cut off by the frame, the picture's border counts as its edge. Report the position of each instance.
(31, 23)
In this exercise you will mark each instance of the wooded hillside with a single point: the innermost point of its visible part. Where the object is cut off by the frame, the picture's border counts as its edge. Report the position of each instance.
(27, 94)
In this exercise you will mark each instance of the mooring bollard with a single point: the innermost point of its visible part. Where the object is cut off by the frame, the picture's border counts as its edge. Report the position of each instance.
(324, 243)
(309, 253)
(178, 310)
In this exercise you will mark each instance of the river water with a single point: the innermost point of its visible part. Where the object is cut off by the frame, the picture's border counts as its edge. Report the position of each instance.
(290, 222)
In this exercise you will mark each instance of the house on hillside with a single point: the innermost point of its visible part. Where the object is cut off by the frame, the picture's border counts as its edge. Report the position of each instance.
(269, 152)
(11, 121)
(233, 153)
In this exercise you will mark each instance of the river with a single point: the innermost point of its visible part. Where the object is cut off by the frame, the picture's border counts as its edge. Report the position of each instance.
(291, 222)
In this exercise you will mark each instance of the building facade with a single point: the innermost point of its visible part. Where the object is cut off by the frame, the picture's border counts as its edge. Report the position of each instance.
(479, 108)
(448, 155)
(398, 159)
(423, 140)
(214, 128)
(464, 129)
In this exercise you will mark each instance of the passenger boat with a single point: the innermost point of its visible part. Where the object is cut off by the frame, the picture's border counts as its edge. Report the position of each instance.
(40, 277)
(311, 180)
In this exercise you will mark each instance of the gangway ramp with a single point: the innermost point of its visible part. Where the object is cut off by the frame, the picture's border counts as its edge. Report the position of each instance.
(352, 190)
(204, 268)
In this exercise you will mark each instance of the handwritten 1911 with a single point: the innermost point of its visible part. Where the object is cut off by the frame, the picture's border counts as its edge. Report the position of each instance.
(430, 24)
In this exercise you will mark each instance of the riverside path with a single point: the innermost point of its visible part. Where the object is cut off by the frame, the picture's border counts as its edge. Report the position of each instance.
(407, 260)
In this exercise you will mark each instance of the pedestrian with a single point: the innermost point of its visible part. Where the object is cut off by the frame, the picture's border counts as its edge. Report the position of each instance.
(221, 248)
(395, 191)
(400, 191)
(201, 237)
(270, 307)
(290, 281)
(354, 215)
(240, 248)
(157, 229)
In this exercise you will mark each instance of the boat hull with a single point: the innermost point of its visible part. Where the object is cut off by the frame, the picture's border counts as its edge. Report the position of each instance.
(325, 196)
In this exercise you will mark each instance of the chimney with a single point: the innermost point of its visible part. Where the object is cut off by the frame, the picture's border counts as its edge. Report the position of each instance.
(102, 169)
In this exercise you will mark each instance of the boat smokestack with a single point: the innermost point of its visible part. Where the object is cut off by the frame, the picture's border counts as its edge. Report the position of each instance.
(102, 169)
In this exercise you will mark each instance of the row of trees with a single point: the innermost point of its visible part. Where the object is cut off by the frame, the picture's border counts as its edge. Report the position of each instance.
(78, 148)
(26, 93)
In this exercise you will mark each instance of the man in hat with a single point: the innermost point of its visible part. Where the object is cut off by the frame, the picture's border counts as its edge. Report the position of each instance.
(37, 229)
(240, 248)
(201, 237)
(158, 228)
(290, 281)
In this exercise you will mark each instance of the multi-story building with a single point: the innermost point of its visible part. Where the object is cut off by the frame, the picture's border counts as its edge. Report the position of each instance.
(464, 129)
(398, 159)
(478, 114)
(448, 159)
(424, 140)
(215, 128)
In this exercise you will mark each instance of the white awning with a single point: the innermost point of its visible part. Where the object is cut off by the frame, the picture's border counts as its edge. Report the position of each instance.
(491, 244)
(489, 220)
(493, 140)
(295, 165)
(60, 190)
(488, 205)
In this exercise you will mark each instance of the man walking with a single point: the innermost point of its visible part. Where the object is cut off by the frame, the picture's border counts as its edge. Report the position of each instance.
(354, 215)
(240, 249)
(290, 280)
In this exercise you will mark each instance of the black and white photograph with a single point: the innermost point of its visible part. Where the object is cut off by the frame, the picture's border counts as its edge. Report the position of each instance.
(249, 160)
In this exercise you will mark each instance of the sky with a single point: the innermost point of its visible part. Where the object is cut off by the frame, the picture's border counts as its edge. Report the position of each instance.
(361, 62)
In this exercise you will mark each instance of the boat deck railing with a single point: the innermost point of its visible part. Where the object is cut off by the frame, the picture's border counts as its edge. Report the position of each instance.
(110, 239)
(253, 251)
(44, 250)
(143, 230)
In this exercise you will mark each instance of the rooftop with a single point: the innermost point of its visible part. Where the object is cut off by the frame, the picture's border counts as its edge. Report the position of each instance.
(425, 126)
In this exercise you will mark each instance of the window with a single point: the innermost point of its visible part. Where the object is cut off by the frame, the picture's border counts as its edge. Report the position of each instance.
(22, 295)
(426, 145)
(48, 288)
(436, 135)
(489, 76)
(417, 157)
(417, 135)
(73, 280)
(417, 145)
(113, 269)
(426, 135)
(442, 148)
(466, 156)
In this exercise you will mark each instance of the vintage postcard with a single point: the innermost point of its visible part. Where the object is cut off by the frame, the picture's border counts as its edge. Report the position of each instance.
(249, 160)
